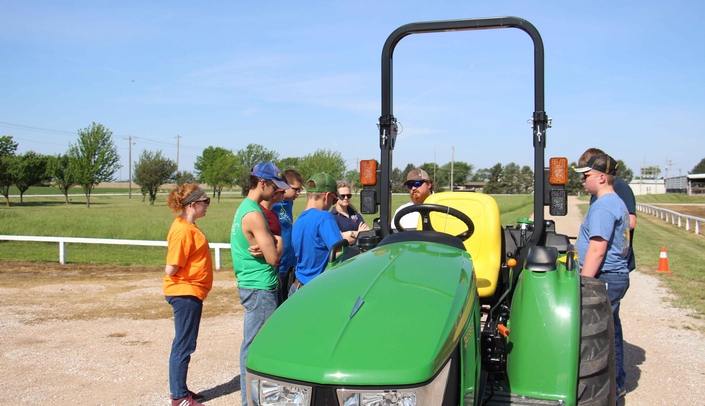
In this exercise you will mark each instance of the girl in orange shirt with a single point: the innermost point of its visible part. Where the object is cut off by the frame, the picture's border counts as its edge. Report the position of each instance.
(189, 278)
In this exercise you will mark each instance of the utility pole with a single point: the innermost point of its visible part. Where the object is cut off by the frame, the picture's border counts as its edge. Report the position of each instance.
(452, 165)
(177, 152)
(669, 167)
(129, 184)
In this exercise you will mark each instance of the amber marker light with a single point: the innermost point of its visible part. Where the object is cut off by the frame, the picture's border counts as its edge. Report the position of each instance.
(368, 172)
(558, 171)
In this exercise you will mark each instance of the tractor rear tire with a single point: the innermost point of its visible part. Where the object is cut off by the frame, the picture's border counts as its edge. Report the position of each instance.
(596, 380)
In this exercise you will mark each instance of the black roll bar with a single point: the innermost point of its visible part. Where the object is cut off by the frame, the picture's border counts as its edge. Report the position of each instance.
(387, 121)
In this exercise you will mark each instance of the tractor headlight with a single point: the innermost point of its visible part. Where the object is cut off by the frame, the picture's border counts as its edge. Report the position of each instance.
(430, 394)
(270, 392)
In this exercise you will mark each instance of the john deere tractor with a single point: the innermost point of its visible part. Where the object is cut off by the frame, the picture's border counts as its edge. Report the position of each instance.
(460, 311)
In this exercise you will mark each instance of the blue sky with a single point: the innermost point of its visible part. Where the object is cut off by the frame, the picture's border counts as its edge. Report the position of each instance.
(627, 77)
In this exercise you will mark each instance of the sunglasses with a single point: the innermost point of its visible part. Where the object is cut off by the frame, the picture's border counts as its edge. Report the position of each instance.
(296, 189)
(415, 184)
(207, 200)
(335, 198)
(587, 175)
(348, 196)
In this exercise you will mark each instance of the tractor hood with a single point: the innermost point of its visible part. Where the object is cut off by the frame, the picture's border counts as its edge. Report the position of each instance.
(391, 315)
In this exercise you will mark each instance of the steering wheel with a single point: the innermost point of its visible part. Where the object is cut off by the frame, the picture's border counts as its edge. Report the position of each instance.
(425, 209)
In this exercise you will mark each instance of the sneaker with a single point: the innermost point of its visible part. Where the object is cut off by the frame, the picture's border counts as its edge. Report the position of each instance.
(621, 392)
(187, 401)
(196, 396)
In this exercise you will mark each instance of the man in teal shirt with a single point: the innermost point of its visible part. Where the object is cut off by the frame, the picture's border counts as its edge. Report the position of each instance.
(255, 254)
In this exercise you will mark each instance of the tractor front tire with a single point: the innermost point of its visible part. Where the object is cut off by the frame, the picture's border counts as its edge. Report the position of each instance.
(596, 380)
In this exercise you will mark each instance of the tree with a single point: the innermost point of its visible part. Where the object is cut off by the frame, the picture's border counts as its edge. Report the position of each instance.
(28, 170)
(494, 185)
(397, 181)
(218, 167)
(182, 177)
(288, 163)
(398, 178)
(575, 181)
(511, 179)
(153, 170)
(699, 168)
(248, 158)
(7, 146)
(93, 159)
(461, 173)
(58, 171)
(322, 160)
(481, 175)
(625, 173)
(353, 177)
(526, 180)
(7, 154)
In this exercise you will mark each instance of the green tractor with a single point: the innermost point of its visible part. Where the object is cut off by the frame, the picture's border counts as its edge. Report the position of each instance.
(460, 311)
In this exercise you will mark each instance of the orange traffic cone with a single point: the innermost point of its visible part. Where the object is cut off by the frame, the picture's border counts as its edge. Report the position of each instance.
(663, 262)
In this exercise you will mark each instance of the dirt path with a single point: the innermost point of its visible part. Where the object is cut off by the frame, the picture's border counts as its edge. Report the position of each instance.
(122, 361)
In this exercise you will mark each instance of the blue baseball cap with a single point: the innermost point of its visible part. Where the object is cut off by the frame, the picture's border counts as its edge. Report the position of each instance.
(269, 171)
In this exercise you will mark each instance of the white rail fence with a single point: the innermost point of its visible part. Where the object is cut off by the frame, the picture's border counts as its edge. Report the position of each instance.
(74, 240)
(673, 217)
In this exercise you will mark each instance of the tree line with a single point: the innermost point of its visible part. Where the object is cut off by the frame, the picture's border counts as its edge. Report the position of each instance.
(91, 160)
(94, 159)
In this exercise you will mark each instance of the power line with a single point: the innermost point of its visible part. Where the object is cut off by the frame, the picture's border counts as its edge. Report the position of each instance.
(35, 129)
(53, 131)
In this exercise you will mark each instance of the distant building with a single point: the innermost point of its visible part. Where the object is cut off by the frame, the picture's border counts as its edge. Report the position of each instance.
(470, 187)
(647, 186)
(687, 184)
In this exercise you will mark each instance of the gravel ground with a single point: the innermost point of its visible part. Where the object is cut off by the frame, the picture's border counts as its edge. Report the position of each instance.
(123, 361)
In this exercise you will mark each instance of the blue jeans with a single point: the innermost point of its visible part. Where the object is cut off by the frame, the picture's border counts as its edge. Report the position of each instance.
(259, 304)
(187, 319)
(617, 286)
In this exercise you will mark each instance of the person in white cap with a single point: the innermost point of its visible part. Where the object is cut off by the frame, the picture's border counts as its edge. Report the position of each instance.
(420, 187)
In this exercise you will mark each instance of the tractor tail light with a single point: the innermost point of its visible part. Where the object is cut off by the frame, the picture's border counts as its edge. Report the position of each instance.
(558, 171)
(368, 172)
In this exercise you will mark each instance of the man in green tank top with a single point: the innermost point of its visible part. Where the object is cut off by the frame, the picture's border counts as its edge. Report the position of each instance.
(255, 254)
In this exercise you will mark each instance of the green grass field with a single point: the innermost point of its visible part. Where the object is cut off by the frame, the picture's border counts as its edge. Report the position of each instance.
(670, 198)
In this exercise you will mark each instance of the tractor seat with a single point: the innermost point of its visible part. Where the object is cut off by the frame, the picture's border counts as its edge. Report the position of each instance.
(485, 245)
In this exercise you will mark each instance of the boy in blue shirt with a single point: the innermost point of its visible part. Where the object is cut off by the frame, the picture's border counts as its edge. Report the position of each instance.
(603, 243)
(315, 231)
